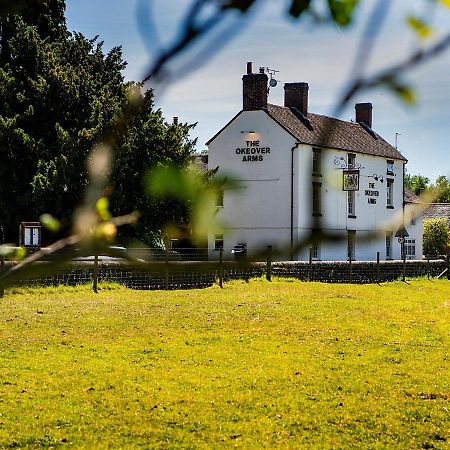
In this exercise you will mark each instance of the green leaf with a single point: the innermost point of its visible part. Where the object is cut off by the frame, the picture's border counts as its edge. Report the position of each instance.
(342, 11)
(298, 7)
(403, 91)
(50, 222)
(7, 250)
(21, 253)
(102, 207)
(422, 30)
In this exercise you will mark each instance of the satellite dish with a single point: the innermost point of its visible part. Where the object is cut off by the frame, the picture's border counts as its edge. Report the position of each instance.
(273, 82)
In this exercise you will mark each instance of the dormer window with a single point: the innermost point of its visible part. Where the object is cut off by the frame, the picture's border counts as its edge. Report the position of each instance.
(390, 167)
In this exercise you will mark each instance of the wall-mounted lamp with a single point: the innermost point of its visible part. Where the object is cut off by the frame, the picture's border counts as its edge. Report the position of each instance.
(377, 177)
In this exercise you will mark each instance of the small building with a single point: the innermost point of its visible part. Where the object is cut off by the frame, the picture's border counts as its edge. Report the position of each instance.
(302, 174)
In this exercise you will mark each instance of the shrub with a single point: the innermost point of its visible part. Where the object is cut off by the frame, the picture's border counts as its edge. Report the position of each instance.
(436, 236)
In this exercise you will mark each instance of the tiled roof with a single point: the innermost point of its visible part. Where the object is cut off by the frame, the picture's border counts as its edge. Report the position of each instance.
(326, 131)
(437, 210)
(410, 197)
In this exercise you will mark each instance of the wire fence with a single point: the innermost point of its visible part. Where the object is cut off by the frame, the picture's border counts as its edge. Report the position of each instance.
(168, 271)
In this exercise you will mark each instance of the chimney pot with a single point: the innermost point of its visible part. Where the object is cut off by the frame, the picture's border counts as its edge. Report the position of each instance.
(364, 113)
(261, 70)
(296, 96)
(175, 120)
(249, 68)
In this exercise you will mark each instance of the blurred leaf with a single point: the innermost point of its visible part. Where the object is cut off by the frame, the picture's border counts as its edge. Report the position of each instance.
(102, 207)
(7, 250)
(21, 253)
(403, 91)
(342, 11)
(241, 5)
(445, 3)
(50, 222)
(106, 231)
(298, 7)
(422, 30)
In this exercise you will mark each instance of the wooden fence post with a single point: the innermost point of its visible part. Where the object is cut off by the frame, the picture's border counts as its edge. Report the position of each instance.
(404, 266)
(310, 264)
(221, 267)
(166, 270)
(2, 270)
(448, 266)
(428, 267)
(378, 267)
(350, 268)
(269, 263)
(95, 275)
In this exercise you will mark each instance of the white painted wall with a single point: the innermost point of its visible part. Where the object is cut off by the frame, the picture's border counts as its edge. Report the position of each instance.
(259, 213)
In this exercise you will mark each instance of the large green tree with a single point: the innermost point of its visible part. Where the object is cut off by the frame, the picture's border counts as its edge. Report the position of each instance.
(145, 143)
(60, 93)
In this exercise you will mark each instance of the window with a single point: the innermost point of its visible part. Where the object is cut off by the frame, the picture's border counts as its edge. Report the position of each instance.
(390, 167)
(410, 247)
(31, 236)
(219, 198)
(315, 250)
(351, 160)
(317, 162)
(390, 193)
(316, 193)
(351, 244)
(389, 245)
(218, 241)
(351, 204)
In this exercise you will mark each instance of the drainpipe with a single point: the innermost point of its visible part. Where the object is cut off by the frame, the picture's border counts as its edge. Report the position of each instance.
(403, 246)
(292, 197)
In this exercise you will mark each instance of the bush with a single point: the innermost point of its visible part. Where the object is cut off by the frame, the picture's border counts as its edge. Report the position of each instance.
(436, 236)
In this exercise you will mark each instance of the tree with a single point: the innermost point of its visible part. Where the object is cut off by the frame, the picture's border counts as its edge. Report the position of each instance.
(436, 236)
(417, 183)
(147, 142)
(60, 94)
(442, 186)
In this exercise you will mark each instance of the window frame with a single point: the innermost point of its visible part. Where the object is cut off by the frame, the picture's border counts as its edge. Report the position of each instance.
(351, 244)
(316, 199)
(390, 167)
(388, 245)
(351, 204)
(351, 160)
(218, 238)
(390, 193)
(316, 162)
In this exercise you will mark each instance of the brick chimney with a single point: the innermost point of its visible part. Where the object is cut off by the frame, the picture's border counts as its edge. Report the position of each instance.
(296, 95)
(364, 113)
(254, 89)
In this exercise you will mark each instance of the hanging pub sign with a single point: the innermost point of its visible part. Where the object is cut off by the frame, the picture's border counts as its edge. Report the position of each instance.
(351, 180)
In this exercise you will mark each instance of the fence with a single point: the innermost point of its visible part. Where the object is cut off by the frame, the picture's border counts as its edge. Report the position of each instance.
(170, 274)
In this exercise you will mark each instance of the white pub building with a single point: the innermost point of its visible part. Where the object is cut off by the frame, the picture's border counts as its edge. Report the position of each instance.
(301, 172)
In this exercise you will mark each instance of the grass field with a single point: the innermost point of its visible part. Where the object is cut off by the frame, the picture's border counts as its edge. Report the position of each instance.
(276, 365)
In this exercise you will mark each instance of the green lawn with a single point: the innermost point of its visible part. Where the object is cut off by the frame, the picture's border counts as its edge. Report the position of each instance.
(283, 364)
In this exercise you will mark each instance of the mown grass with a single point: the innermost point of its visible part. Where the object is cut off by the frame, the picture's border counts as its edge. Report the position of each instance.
(277, 365)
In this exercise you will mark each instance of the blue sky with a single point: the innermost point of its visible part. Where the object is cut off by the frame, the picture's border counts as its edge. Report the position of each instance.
(322, 56)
